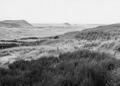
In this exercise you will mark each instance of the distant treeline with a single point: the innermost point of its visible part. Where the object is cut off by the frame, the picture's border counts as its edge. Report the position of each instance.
(80, 68)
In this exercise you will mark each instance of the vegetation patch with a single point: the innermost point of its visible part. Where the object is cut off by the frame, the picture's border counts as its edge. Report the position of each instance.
(80, 68)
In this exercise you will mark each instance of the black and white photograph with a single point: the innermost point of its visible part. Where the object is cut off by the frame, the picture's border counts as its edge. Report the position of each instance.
(59, 42)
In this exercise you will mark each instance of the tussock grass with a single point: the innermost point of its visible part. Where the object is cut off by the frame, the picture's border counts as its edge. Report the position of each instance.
(80, 68)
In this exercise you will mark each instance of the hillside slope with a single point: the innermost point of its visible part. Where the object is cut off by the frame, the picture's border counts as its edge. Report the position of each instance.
(105, 32)
(100, 39)
(14, 24)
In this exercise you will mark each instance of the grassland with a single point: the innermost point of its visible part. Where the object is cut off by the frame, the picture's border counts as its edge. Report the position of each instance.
(82, 58)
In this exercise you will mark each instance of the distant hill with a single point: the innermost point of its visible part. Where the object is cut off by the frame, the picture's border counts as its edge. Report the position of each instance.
(106, 28)
(14, 24)
(105, 32)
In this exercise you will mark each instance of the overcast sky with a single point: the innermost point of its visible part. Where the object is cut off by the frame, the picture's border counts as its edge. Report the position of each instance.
(60, 11)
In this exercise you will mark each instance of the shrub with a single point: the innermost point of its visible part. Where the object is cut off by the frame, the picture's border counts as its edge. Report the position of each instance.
(80, 68)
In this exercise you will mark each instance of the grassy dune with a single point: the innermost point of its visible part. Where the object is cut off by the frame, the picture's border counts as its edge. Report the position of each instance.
(80, 68)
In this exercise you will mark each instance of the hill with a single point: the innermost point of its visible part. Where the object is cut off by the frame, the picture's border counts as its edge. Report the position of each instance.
(40, 30)
(101, 39)
(105, 32)
(15, 24)
(82, 58)
(111, 27)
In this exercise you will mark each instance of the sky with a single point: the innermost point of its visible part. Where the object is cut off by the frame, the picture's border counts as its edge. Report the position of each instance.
(61, 11)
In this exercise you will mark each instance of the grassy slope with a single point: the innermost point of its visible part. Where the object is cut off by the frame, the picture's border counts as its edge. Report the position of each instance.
(87, 65)
(101, 39)
(80, 68)
(15, 24)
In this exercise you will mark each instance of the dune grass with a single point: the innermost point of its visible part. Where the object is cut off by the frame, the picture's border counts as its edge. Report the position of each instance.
(80, 68)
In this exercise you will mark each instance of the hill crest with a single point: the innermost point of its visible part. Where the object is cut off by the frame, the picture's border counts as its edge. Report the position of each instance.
(15, 24)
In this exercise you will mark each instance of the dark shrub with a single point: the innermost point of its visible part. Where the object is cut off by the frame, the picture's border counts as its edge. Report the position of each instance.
(80, 68)
(8, 45)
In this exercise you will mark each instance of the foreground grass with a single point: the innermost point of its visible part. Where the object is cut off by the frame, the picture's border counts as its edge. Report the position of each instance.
(80, 68)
